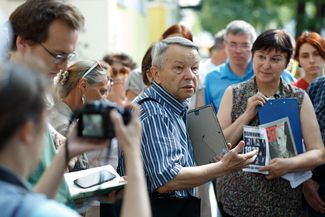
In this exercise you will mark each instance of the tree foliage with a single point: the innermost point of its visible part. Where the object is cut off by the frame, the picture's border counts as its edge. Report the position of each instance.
(263, 14)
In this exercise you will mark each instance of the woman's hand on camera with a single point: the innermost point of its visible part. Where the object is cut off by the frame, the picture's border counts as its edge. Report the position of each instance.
(78, 145)
(129, 135)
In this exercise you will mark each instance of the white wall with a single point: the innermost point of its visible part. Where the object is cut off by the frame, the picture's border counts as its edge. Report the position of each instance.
(111, 26)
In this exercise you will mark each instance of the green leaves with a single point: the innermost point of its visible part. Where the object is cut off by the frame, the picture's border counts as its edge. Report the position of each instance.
(307, 14)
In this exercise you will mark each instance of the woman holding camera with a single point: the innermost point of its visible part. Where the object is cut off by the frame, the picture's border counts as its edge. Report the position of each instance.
(22, 126)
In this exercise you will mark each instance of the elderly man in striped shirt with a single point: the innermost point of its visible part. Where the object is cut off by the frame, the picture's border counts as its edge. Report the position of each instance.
(166, 148)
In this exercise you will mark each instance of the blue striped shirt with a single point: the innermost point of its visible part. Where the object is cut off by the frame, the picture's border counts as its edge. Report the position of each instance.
(165, 144)
(316, 92)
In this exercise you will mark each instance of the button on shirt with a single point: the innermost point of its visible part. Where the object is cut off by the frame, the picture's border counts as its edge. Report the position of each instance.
(166, 148)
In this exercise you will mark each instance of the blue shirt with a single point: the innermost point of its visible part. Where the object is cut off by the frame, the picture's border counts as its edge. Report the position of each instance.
(316, 92)
(18, 200)
(220, 78)
(165, 145)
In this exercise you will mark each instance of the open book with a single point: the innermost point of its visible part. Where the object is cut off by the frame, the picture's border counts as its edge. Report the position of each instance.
(255, 138)
(279, 142)
(113, 182)
(272, 140)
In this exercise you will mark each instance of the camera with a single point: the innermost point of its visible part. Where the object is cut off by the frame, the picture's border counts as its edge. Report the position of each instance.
(94, 120)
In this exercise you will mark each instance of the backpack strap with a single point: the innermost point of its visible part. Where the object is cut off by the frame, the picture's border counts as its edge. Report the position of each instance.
(147, 99)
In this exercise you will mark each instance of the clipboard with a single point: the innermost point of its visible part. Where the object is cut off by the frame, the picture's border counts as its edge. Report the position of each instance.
(275, 109)
(206, 134)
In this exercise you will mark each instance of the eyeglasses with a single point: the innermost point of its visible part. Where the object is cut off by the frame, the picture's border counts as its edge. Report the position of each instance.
(235, 46)
(59, 58)
(121, 71)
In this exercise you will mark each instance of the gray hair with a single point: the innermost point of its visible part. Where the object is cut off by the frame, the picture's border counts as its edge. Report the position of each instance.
(238, 27)
(67, 80)
(159, 49)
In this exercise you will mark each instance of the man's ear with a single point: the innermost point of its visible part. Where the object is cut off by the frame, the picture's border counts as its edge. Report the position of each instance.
(21, 44)
(155, 73)
(25, 132)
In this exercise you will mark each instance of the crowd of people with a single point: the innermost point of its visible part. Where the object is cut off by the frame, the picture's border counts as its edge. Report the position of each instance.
(42, 87)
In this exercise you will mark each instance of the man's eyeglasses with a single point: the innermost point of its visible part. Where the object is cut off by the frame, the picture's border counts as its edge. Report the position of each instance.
(121, 71)
(235, 46)
(59, 58)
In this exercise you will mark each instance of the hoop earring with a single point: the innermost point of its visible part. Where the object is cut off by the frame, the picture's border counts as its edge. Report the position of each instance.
(83, 99)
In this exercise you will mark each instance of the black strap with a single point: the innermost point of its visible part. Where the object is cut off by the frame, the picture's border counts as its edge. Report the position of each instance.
(147, 99)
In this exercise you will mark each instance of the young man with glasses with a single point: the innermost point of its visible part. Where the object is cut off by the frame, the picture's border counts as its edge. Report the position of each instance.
(239, 38)
(48, 31)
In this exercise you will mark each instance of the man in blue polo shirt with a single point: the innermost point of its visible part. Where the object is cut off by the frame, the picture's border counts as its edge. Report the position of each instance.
(239, 38)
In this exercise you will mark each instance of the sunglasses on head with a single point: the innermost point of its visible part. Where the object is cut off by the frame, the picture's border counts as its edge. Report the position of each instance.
(121, 71)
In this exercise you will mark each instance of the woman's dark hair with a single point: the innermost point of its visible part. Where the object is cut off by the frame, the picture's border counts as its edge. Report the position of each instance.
(312, 38)
(122, 58)
(146, 65)
(22, 98)
(274, 39)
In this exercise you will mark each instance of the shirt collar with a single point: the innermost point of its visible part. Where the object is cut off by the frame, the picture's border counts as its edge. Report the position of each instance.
(230, 74)
(180, 108)
(9, 176)
(279, 92)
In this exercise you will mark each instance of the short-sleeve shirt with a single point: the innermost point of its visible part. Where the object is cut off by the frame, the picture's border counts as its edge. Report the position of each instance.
(301, 83)
(217, 81)
(165, 144)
